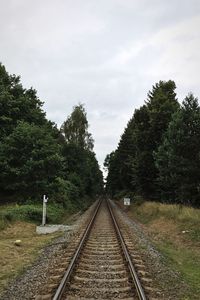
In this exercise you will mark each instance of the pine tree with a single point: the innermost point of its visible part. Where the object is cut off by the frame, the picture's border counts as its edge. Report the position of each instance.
(141, 160)
(133, 165)
(111, 164)
(161, 105)
(119, 162)
(178, 158)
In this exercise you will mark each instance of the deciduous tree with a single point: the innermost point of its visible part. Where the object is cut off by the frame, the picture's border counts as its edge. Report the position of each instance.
(75, 129)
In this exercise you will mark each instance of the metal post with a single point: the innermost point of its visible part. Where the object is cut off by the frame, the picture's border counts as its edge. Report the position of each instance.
(44, 214)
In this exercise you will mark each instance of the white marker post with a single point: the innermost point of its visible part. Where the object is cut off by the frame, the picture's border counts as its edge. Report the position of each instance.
(45, 199)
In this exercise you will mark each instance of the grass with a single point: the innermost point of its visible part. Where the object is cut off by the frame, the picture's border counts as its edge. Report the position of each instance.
(19, 222)
(14, 259)
(187, 262)
(175, 231)
(186, 218)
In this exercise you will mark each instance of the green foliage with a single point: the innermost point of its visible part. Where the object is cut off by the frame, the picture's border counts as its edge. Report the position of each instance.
(36, 158)
(178, 157)
(141, 163)
(65, 193)
(75, 129)
(29, 160)
(82, 169)
(30, 213)
(80, 165)
(17, 104)
(111, 166)
(119, 163)
(161, 104)
(132, 166)
(158, 156)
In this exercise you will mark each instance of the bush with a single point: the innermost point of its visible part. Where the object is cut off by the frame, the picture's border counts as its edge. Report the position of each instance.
(30, 213)
(64, 192)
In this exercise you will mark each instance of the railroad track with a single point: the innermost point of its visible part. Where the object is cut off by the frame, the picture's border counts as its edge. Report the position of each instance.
(101, 267)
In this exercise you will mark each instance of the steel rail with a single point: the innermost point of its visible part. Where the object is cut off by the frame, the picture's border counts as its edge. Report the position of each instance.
(131, 267)
(60, 290)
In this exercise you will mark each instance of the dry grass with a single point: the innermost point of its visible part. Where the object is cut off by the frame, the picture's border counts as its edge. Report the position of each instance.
(175, 231)
(14, 259)
(171, 211)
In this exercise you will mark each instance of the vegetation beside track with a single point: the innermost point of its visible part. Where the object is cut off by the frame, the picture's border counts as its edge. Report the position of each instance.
(37, 158)
(158, 153)
(15, 259)
(19, 222)
(175, 232)
(56, 213)
(29, 213)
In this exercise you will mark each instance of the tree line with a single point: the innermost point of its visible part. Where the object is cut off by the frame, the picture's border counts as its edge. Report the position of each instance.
(158, 155)
(36, 157)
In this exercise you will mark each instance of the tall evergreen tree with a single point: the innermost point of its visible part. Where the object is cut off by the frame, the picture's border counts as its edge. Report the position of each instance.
(111, 165)
(119, 162)
(141, 166)
(151, 122)
(178, 158)
(133, 165)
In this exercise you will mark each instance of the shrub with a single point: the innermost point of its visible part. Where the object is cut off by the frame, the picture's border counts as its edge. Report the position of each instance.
(30, 213)
(65, 193)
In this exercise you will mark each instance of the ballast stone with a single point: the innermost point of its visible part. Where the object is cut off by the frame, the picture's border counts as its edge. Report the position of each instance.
(52, 228)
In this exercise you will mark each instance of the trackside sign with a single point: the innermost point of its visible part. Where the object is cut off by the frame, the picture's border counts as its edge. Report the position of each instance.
(127, 201)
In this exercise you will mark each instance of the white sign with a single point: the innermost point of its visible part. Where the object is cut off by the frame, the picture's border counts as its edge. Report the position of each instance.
(45, 199)
(127, 201)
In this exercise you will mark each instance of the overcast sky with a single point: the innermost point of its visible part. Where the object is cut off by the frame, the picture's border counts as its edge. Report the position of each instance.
(106, 54)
